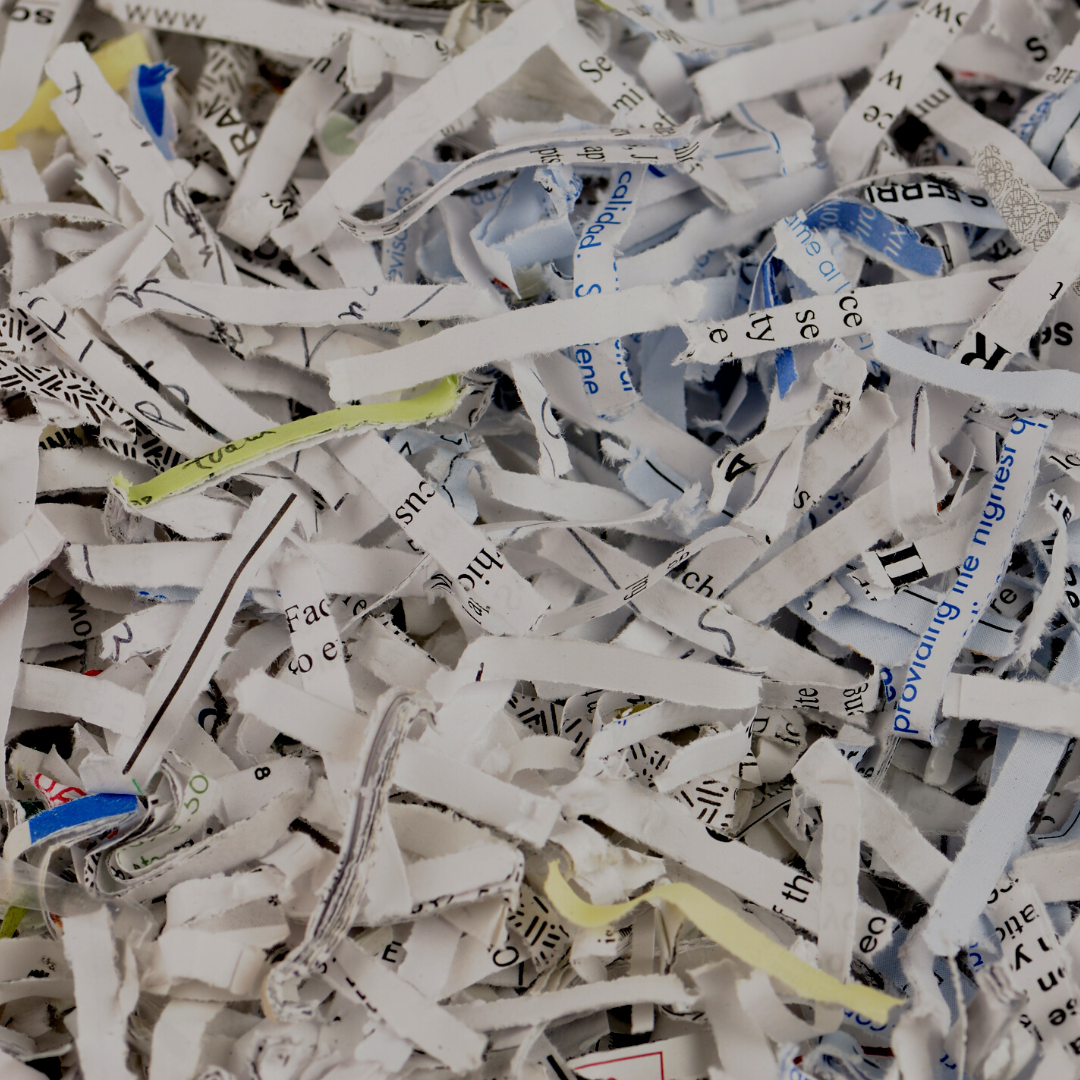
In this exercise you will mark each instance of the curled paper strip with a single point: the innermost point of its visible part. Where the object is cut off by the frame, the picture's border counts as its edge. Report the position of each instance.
(736, 935)
(344, 888)
(236, 457)
(446, 444)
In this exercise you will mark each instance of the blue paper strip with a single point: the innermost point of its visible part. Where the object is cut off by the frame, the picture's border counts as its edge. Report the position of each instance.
(79, 812)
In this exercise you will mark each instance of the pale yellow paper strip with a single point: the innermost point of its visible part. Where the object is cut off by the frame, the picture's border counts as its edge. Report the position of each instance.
(732, 933)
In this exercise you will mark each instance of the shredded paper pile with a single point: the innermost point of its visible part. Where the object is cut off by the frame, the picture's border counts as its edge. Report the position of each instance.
(539, 540)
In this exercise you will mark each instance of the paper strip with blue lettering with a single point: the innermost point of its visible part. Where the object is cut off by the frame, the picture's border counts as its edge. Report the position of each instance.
(540, 540)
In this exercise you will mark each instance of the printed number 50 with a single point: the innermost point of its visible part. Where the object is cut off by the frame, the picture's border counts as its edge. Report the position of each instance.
(193, 786)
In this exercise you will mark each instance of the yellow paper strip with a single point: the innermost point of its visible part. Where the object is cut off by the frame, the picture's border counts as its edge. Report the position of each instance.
(241, 455)
(732, 933)
(115, 58)
(12, 917)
